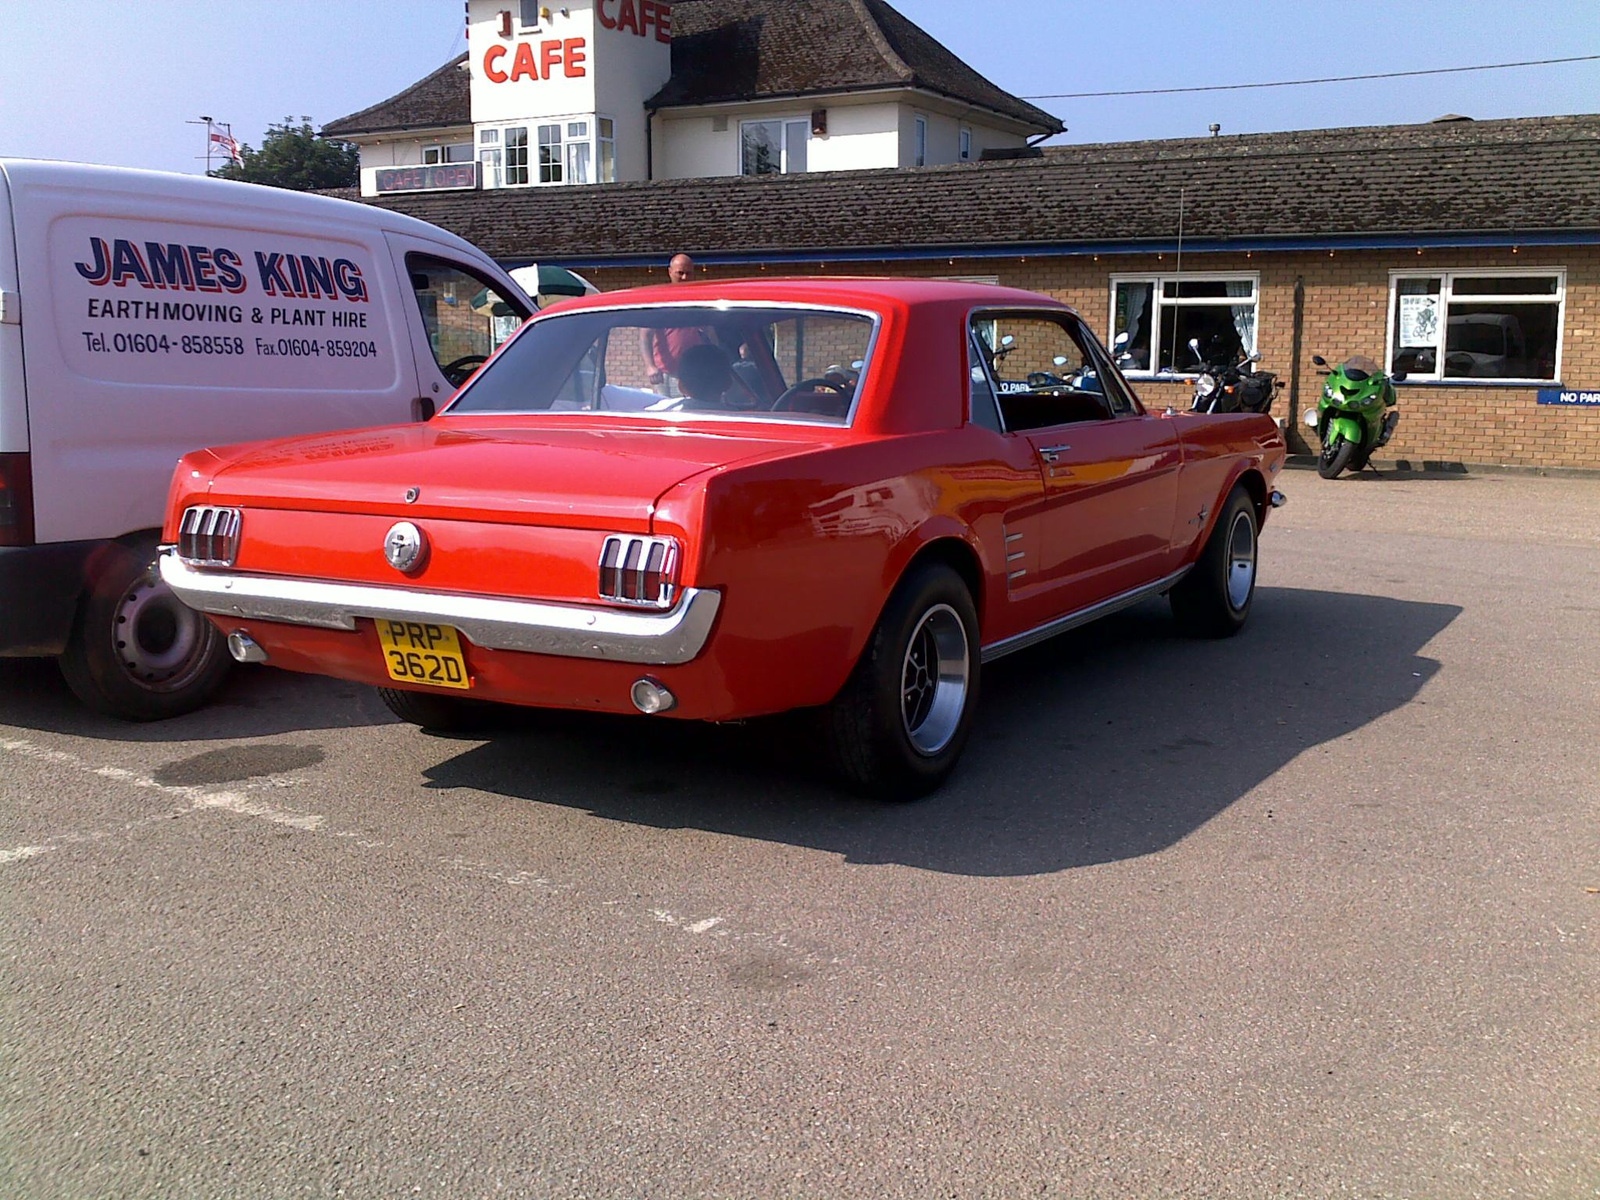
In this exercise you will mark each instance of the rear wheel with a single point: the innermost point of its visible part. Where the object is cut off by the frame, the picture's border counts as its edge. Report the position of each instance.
(1337, 454)
(445, 714)
(899, 725)
(1214, 598)
(137, 652)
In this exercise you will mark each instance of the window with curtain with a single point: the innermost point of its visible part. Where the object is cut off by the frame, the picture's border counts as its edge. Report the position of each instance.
(777, 147)
(1160, 315)
(1477, 325)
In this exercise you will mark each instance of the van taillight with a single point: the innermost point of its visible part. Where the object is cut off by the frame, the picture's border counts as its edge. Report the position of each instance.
(16, 500)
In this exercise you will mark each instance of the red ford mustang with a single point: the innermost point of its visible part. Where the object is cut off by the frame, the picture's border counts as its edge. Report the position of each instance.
(717, 501)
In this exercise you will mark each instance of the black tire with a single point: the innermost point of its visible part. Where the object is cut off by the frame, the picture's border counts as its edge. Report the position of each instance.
(443, 714)
(137, 652)
(1213, 600)
(1336, 457)
(878, 746)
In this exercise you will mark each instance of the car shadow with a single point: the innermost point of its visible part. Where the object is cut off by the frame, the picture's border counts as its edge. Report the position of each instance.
(254, 702)
(1106, 744)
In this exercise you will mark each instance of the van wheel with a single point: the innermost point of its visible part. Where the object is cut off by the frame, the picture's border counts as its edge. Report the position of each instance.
(900, 723)
(443, 714)
(1213, 599)
(137, 652)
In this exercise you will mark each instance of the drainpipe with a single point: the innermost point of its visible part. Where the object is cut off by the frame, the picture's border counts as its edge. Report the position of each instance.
(1294, 358)
(649, 143)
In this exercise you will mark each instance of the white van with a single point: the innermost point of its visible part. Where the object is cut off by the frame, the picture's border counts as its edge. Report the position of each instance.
(144, 315)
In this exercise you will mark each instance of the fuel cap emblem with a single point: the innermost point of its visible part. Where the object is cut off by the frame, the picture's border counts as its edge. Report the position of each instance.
(406, 547)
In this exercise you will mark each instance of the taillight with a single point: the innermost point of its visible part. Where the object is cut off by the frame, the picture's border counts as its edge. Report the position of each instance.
(639, 570)
(208, 536)
(16, 500)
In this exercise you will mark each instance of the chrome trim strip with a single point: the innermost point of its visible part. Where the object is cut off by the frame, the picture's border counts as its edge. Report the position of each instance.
(1083, 616)
(564, 630)
(1012, 537)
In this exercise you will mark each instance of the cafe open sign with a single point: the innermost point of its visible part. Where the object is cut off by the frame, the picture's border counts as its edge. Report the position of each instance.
(441, 177)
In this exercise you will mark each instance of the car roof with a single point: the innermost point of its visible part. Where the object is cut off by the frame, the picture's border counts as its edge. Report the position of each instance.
(870, 293)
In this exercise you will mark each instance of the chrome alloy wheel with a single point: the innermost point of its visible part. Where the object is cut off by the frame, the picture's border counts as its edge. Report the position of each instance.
(934, 679)
(1241, 560)
(160, 642)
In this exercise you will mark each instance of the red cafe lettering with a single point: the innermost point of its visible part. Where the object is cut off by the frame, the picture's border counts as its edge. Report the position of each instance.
(637, 17)
(569, 54)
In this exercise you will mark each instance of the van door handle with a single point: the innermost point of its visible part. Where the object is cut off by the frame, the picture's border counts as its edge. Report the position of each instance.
(1052, 453)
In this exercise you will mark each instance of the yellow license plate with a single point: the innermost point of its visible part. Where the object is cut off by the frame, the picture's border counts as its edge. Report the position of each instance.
(418, 653)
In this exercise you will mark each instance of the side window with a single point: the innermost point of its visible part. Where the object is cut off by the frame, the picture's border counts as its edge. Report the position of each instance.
(1118, 394)
(981, 399)
(466, 317)
(1042, 369)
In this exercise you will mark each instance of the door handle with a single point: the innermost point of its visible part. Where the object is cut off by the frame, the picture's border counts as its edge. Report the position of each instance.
(1052, 453)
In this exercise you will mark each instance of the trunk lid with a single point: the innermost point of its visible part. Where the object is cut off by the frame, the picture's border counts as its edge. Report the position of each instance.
(593, 475)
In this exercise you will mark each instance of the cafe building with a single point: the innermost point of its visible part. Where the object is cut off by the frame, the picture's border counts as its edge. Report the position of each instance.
(837, 137)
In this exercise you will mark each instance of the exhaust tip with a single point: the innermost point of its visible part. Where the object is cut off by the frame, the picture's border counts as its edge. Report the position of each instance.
(245, 648)
(650, 697)
(1277, 499)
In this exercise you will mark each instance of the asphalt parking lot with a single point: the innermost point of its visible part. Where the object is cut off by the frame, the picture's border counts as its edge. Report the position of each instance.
(1308, 913)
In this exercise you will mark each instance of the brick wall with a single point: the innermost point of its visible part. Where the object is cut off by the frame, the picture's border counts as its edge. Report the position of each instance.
(1346, 312)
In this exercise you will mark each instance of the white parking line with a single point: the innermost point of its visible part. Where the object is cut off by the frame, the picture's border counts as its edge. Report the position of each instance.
(199, 799)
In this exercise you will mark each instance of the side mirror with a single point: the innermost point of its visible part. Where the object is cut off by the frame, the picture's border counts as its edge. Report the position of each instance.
(1194, 344)
(1319, 360)
(1060, 360)
(858, 364)
(1121, 341)
(1008, 340)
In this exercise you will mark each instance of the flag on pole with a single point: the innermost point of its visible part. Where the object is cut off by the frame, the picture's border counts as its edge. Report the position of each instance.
(224, 141)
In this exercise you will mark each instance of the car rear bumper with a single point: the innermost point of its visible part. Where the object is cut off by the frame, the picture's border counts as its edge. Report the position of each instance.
(652, 638)
(39, 589)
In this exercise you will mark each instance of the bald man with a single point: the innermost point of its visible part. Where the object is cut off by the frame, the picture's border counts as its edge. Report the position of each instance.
(662, 348)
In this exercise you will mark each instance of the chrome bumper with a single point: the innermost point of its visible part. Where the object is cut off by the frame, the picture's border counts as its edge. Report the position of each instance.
(568, 631)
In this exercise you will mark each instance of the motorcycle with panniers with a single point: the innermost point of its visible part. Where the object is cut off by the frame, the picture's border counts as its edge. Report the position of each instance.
(1355, 415)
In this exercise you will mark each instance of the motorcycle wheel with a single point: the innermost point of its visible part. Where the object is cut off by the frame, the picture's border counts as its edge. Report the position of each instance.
(1336, 456)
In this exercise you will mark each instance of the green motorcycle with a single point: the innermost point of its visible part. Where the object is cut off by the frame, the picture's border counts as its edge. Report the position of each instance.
(1355, 415)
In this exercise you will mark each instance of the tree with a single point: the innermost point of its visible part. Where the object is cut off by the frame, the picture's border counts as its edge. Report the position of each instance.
(294, 157)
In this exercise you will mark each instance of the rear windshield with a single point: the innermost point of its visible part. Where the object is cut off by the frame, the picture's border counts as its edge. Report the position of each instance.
(682, 361)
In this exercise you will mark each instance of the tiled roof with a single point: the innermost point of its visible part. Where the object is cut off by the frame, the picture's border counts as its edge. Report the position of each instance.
(1485, 177)
(441, 100)
(726, 50)
(750, 49)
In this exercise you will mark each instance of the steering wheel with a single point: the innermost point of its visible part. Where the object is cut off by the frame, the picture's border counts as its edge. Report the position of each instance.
(461, 369)
(783, 402)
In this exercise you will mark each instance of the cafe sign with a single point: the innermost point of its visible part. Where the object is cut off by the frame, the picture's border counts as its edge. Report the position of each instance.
(435, 177)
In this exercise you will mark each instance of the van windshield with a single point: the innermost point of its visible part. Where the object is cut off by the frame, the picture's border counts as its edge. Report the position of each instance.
(678, 361)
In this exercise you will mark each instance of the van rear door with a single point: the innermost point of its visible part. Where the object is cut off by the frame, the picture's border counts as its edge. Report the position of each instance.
(13, 396)
(460, 311)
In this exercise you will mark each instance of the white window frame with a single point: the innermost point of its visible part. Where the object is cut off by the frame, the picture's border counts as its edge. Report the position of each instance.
(783, 141)
(1447, 280)
(919, 142)
(605, 135)
(440, 153)
(966, 143)
(491, 149)
(1159, 301)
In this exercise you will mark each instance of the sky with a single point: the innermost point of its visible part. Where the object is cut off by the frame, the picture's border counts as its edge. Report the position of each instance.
(114, 81)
